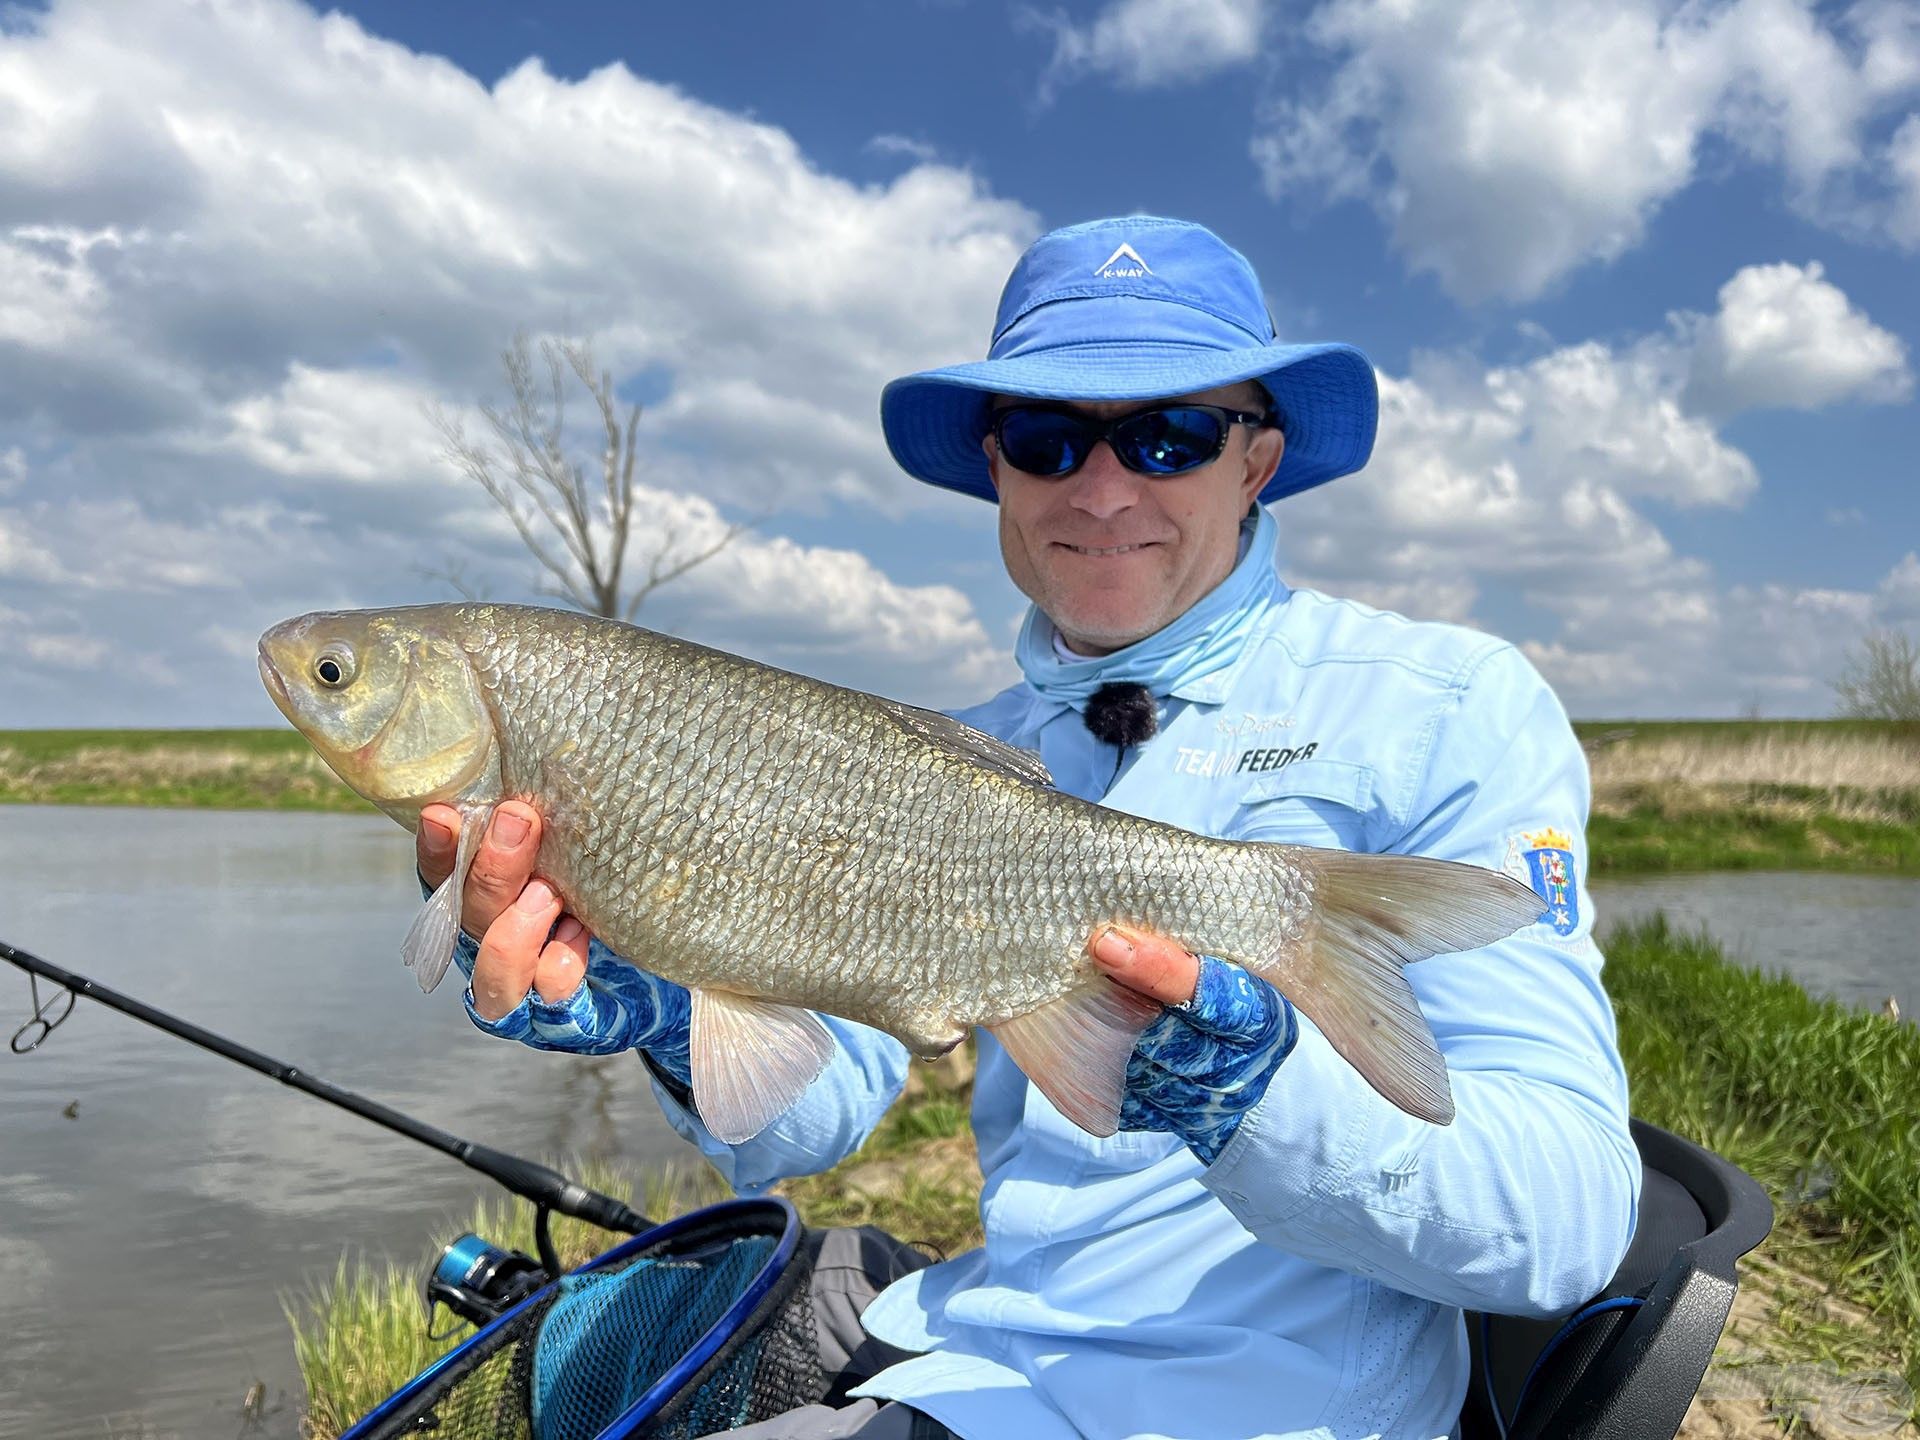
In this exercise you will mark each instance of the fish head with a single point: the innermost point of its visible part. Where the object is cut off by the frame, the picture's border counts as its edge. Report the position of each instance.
(389, 700)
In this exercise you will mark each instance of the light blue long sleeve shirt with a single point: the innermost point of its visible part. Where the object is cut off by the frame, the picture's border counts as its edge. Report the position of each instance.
(1309, 1282)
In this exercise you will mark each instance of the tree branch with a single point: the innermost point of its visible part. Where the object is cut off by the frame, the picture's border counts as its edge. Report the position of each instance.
(577, 531)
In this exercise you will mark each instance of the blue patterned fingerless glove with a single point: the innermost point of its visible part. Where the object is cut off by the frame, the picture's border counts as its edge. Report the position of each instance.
(618, 1006)
(1201, 1066)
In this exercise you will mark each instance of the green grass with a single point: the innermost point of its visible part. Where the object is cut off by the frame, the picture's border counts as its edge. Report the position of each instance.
(1748, 795)
(189, 769)
(917, 1176)
(362, 1334)
(1818, 1102)
(1760, 828)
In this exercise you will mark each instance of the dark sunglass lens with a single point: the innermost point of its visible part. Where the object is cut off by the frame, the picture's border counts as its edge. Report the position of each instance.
(1042, 442)
(1165, 442)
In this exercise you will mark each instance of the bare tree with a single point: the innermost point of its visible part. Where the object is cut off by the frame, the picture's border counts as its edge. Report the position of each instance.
(1881, 678)
(580, 524)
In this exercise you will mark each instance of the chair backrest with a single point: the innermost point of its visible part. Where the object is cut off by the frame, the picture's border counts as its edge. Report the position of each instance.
(1629, 1360)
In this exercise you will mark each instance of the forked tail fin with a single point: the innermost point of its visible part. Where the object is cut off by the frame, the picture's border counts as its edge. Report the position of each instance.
(1373, 914)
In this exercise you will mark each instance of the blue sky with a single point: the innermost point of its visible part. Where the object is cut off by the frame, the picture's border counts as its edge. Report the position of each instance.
(1638, 280)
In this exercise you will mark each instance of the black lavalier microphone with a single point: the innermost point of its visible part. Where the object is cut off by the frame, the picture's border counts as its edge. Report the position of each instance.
(1122, 713)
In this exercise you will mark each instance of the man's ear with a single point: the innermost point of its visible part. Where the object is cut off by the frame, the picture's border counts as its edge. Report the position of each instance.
(1263, 458)
(993, 454)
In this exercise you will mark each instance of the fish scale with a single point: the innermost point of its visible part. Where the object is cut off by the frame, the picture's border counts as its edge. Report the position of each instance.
(780, 846)
(934, 824)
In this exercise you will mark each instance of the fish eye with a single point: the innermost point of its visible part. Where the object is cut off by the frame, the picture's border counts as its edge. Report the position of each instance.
(333, 668)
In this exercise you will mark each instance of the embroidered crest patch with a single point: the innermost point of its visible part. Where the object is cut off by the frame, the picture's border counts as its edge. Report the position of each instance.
(1544, 859)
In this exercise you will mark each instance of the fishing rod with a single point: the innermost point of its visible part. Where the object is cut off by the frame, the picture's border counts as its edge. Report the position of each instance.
(547, 1189)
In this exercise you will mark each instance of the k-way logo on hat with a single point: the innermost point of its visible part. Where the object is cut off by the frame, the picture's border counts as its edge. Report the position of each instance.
(1107, 270)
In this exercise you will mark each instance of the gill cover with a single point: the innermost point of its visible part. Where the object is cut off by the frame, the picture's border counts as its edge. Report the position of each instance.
(392, 706)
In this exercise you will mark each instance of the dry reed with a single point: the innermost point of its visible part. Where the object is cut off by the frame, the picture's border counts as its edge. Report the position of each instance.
(1837, 762)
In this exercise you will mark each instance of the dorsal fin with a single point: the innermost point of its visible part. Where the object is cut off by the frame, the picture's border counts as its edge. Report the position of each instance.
(976, 745)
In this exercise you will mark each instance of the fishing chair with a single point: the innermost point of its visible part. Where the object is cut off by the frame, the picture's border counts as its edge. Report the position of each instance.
(1625, 1365)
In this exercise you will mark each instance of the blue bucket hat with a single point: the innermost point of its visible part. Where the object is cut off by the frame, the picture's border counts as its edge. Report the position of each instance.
(1137, 308)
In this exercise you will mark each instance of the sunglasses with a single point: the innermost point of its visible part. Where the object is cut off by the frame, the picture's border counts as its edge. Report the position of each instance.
(1166, 440)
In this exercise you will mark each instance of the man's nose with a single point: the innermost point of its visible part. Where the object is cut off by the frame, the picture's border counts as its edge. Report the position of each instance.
(1104, 487)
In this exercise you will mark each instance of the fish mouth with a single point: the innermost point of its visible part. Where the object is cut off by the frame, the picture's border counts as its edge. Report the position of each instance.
(276, 687)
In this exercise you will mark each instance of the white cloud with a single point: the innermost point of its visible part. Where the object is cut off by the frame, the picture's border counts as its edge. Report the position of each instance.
(1785, 336)
(46, 639)
(918, 151)
(1544, 480)
(1903, 167)
(241, 244)
(327, 194)
(1507, 144)
(65, 652)
(1531, 476)
(353, 425)
(1143, 44)
(62, 545)
(1897, 599)
(826, 609)
(1599, 673)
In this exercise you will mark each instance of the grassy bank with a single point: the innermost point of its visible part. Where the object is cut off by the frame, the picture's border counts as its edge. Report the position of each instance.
(1754, 795)
(1818, 1102)
(362, 1334)
(190, 769)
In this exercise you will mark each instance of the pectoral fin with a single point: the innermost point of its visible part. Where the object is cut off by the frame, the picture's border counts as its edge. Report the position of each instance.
(1076, 1049)
(752, 1058)
(428, 948)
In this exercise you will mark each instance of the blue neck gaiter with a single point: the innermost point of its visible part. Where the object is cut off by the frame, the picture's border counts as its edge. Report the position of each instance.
(1207, 638)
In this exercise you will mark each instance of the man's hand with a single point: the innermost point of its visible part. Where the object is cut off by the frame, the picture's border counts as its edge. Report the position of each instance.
(1208, 1059)
(512, 912)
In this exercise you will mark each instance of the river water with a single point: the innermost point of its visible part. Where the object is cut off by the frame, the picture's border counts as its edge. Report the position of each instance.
(1855, 938)
(146, 1242)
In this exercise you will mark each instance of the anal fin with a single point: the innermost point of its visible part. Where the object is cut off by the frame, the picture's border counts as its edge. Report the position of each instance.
(751, 1059)
(1076, 1049)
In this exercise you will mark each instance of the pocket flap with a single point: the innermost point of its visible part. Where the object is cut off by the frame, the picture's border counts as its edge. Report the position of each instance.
(1341, 781)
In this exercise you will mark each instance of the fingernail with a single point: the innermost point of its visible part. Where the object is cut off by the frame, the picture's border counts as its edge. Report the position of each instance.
(509, 829)
(568, 930)
(536, 897)
(1111, 947)
(439, 835)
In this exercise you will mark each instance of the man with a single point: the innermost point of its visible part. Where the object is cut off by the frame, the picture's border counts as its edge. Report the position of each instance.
(1267, 1248)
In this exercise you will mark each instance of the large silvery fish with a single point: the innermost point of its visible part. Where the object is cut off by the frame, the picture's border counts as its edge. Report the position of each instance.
(780, 845)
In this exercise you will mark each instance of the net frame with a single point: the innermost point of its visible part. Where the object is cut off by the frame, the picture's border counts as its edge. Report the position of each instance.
(778, 1284)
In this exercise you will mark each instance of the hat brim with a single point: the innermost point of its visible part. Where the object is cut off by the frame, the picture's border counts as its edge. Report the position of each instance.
(1327, 399)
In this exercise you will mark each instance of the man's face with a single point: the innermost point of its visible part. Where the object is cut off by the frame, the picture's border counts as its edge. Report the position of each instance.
(1111, 556)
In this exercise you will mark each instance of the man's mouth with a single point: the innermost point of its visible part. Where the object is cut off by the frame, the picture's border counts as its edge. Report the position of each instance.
(1102, 550)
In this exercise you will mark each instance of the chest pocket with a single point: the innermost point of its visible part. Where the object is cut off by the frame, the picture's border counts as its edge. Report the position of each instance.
(1311, 802)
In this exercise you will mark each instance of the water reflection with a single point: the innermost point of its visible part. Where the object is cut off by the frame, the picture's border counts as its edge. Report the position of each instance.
(145, 1243)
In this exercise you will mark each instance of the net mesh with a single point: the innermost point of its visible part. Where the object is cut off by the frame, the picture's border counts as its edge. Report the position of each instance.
(570, 1363)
